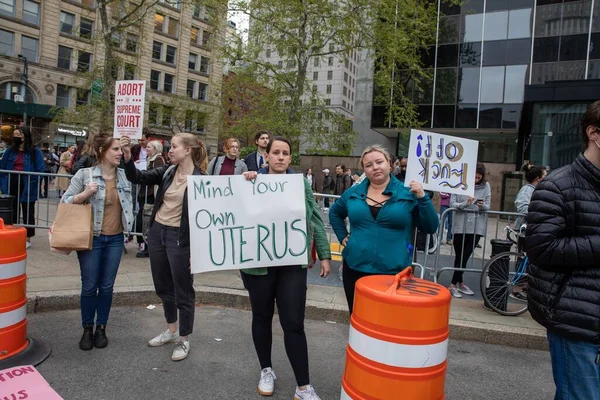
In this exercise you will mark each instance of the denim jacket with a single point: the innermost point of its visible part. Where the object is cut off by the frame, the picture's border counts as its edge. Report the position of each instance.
(79, 183)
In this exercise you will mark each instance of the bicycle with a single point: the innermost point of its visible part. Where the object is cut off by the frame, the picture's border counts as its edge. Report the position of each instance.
(504, 278)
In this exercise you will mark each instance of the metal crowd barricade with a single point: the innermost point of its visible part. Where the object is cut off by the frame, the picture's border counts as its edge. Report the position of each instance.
(500, 217)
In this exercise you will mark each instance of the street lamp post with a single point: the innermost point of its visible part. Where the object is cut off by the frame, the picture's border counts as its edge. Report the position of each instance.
(25, 81)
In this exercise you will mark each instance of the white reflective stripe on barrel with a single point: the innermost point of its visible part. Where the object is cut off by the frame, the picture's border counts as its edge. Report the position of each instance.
(12, 270)
(13, 317)
(398, 355)
(344, 395)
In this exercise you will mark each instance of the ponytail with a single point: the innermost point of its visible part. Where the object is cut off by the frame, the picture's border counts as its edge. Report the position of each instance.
(199, 153)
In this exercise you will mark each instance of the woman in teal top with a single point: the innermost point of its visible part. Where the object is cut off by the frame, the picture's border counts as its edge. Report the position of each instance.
(286, 286)
(383, 215)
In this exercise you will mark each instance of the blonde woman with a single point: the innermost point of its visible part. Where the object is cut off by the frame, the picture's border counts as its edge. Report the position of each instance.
(169, 236)
(62, 183)
(383, 214)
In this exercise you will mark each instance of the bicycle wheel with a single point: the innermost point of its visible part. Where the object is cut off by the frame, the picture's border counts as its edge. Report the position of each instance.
(504, 283)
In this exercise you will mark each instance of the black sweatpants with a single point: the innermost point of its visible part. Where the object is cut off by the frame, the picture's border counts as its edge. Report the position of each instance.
(17, 186)
(464, 245)
(350, 277)
(173, 280)
(286, 286)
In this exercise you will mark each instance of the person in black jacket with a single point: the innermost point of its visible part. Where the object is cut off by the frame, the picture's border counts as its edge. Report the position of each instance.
(257, 159)
(169, 235)
(563, 245)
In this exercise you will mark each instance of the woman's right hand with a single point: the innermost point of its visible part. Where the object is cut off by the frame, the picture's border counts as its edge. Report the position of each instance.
(126, 148)
(250, 175)
(345, 241)
(470, 200)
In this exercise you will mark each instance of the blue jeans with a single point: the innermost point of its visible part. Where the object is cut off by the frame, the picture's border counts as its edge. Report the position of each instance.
(576, 374)
(448, 223)
(99, 268)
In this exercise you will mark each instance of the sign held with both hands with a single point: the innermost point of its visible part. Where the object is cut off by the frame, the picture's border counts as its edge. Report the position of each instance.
(235, 223)
(442, 163)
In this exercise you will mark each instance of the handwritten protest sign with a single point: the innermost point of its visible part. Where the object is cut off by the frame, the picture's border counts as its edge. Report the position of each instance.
(129, 108)
(236, 224)
(442, 163)
(25, 382)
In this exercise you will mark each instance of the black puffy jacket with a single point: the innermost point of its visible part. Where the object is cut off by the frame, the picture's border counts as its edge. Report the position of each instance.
(563, 245)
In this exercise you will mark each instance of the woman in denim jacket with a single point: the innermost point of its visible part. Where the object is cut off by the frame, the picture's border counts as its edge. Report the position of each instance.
(106, 187)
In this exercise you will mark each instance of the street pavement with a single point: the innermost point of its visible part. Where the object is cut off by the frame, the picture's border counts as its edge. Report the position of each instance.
(228, 368)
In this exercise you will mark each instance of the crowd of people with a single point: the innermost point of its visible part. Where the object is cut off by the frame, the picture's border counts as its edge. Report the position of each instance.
(374, 217)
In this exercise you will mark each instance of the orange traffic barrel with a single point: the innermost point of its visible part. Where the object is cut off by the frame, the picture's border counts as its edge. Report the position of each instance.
(15, 347)
(398, 339)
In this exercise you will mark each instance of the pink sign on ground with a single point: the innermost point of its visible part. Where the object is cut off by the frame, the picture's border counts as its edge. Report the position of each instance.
(25, 382)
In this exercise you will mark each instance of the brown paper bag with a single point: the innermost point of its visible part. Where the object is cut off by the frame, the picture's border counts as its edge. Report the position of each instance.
(72, 228)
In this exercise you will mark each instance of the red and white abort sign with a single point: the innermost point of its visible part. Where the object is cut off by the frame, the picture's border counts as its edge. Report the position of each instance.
(129, 108)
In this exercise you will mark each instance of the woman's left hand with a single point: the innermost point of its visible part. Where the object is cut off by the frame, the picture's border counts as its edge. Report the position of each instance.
(417, 189)
(325, 268)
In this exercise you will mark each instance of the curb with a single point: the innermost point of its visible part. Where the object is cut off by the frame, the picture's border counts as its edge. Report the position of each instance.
(235, 298)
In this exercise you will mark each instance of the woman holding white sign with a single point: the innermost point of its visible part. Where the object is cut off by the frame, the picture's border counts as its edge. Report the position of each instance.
(468, 227)
(285, 285)
(383, 214)
(169, 236)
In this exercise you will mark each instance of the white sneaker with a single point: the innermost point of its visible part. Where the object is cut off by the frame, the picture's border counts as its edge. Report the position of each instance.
(181, 350)
(465, 290)
(306, 394)
(266, 385)
(27, 244)
(454, 292)
(164, 338)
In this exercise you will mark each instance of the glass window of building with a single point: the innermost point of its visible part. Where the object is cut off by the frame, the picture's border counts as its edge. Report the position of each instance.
(154, 80)
(29, 48)
(470, 54)
(329, 75)
(472, 7)
(67, 22)
(204, 64)
(316, 62)
(116, 39)
(596, 17)
(206, 38)
(468, 85)
(84, 61)
(545, 49)
(572, 70)
(492, 84)
(173, 29)
(494, 53)
(193, 61)
(511, 114)
(514, 83)
(490, 116)
(129, 72)
(548, 20)
(202, 91)
(423, 94)
(83, 97)
(159, 22)
(544, 72)
(445, 86)
(7, 7)
(328, 89)
(449, 29)
(63, 96)
(595, 46)
(573, 47)
(594, 69)
(170, 54)
(153, 113)
(156, 50)
(449, 9)
(86, 28)
(576, 17)
(195, 35)
(466, 116)
(315, 75)
(443, 116)
(64, 57)
(519, 23)
(471, 27)
(518, 4)
(167, 115)
(496, 26)
(518, 51)
(447, 56)
(31, 11)
(132, 42)
(496, 5)
(169, 83)
(191, 85)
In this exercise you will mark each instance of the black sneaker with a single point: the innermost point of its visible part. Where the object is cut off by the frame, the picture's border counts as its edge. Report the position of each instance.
(100, 339)
(142, 254)
(87, 340)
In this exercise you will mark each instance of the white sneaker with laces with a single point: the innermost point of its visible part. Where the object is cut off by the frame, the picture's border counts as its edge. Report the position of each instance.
(464, 289)
(306, 394)
(181, 350)
(455, 293)
(164, 338)
(266, 385)
(27, 244)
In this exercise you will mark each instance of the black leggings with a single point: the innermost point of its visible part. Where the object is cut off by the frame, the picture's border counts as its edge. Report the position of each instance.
(464, 244)
(350, 276)
(286, 286)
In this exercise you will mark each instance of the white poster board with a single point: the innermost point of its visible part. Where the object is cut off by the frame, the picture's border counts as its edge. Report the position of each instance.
(130, 97)
(442, 163)
(235, 223)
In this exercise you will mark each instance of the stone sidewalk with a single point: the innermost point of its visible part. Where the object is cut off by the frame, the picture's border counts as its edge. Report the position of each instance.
(54, 283)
